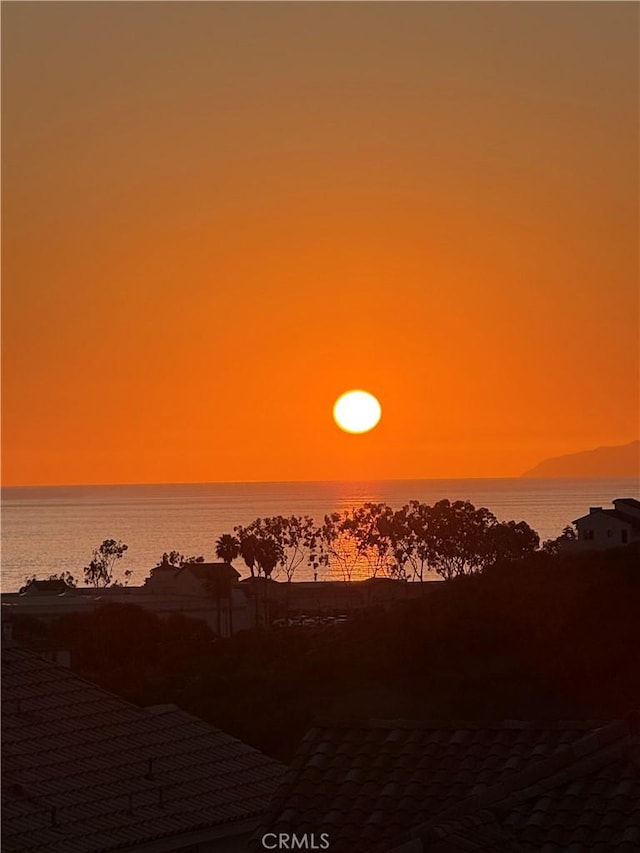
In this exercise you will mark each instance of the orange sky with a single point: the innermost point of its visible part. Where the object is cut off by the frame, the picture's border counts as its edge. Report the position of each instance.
(220, 216)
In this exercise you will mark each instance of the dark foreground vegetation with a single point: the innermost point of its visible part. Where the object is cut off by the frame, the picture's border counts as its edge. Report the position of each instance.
(550, 637)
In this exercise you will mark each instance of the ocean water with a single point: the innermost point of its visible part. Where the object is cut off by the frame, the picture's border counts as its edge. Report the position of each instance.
(55, 528)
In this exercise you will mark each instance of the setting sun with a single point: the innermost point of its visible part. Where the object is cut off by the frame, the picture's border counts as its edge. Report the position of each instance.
(357, 411)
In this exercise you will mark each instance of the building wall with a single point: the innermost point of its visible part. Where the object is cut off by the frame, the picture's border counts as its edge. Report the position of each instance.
(198, 606)
(161, 581)
(599, 530)
(187, 584)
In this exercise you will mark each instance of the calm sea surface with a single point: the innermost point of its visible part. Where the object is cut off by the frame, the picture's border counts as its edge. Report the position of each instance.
(53, 529)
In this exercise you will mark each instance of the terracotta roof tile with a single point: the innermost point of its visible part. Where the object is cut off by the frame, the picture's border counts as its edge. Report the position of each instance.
(397, 774)
(584, 797)
(85, 771)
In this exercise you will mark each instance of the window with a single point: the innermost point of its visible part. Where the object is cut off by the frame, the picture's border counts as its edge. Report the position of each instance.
(588, 534)
(624, 536)
(609, 534)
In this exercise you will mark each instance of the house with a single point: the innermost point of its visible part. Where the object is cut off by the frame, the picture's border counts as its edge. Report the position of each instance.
(162, 579)
(193, 579)
(84, 771)
(401, 786)
(608, 528)
(56, 586)
(215, 583)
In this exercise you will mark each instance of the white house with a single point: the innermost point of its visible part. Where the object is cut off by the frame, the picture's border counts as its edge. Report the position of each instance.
(609, 528)
(212, 585)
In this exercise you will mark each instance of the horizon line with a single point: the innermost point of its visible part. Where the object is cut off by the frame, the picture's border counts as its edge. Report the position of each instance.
(294, 482)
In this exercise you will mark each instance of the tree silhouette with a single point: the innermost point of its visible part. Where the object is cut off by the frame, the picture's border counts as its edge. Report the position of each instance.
(262, 544)
(248, 547)
(456, 537)
(268, 555)
(553, 546)
(393, 526)
(295, 539)
(99, 572)
(510, 540)
(227, 548)
(356, 541)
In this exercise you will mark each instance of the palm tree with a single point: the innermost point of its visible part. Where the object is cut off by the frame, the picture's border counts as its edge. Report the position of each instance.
(267, 556)
(248, 548)
(227, 548)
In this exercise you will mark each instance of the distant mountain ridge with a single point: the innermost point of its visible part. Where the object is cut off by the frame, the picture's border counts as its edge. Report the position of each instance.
(622, 460)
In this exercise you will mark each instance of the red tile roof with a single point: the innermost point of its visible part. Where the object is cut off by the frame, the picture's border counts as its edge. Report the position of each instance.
(460, 786)
(86, 772)
(476, 833)
(585, 796)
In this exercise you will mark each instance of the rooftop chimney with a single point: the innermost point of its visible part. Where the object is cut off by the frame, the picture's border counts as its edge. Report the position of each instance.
(593, 509)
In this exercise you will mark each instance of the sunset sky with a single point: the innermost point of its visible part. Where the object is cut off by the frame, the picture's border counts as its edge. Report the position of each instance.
(218, 217)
